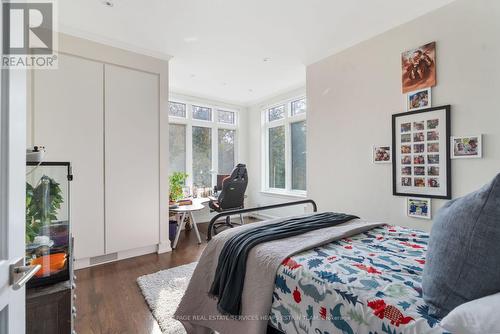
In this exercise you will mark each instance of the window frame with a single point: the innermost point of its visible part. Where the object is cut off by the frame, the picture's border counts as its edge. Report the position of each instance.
(225, 110)
(189, 122)
(276, 106)
(286, 121)
(178, 117)
(212, 113)
(236, 132)
(294, 101)
(185, 139)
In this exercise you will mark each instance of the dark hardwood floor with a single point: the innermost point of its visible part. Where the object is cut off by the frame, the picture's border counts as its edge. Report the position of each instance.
(108, 298)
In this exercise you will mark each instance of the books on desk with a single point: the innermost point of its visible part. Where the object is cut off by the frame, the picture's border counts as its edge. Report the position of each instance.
(183, 202)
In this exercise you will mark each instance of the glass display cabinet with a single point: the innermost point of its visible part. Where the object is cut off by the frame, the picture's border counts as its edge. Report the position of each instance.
(48, 232)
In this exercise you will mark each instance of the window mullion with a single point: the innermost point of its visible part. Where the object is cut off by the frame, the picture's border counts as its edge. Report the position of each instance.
(189, 154)
(236, 146)
(265, 158)
(274, 124)
(298, 118)
(215, 153)
(227, 126)
(288, 155)
(189, 112)
(177, 120)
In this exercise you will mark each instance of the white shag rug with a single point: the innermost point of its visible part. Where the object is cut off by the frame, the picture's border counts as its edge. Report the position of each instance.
(163, 291)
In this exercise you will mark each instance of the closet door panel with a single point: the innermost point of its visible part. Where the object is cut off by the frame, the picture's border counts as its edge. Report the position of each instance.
(131, 158)
(67, 118)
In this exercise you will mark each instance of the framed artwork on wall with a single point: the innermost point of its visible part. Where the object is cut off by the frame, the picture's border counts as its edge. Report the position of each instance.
(421, 153)
(382, 154)
(419, 99)
(418, 207)
(466, 147)
(419, 67)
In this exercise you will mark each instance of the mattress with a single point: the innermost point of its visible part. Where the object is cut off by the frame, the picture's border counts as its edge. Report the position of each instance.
(369, 283)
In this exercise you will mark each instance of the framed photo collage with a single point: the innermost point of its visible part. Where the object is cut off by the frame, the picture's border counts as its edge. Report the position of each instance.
(421, 153)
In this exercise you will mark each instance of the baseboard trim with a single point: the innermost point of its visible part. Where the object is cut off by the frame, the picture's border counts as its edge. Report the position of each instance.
(116, 256)
(164, 247)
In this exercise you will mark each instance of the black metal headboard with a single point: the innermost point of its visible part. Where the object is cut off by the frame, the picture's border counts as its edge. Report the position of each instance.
(259, 208)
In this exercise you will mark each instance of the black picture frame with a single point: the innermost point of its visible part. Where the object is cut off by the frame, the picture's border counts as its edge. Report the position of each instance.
(443, 156)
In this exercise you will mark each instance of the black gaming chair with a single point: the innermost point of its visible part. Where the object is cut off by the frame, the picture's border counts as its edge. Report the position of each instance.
(232, 194)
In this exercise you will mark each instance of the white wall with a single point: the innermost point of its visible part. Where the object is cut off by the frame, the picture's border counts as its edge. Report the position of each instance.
(256, 197)
(351, 96)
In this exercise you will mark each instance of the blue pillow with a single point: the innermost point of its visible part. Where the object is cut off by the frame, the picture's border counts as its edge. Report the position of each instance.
(463, 256)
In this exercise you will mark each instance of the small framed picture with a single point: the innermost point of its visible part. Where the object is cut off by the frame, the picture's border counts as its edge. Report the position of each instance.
(466, 147)
(419, 99)
(382, 154)
(418, 207)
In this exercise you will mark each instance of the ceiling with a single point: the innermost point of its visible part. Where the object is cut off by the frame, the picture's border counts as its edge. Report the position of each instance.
(237, 51)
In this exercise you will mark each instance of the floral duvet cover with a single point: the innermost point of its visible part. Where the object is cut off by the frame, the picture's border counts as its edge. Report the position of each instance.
(368, 284)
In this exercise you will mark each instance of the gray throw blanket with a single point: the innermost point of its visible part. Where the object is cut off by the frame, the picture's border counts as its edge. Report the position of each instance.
(231, 267)
(198, 312)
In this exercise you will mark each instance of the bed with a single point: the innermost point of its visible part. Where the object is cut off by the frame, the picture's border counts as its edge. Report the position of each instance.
(355, 277)
(367, 283)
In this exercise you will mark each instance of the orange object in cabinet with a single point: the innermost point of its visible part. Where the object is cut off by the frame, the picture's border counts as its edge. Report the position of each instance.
(50, 264)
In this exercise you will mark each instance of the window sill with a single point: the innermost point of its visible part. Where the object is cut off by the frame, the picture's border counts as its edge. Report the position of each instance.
(284, 194)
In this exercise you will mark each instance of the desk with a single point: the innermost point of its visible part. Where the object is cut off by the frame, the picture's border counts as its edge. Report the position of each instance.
(216, 197)
(187, 210)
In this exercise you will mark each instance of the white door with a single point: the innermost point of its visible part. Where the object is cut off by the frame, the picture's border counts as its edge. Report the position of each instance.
(132, 158)
(12, 198)
(71, 100)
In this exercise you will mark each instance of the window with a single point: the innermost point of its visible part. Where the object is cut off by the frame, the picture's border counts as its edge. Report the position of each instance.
(203, 142)
(202, 113)
(226, 116)
(285, 147)
(202, 156)
(277, 157)
(226, 150)
(177, 147)
(298, 136)
(177, 109)
(276, 113)
(298, 107)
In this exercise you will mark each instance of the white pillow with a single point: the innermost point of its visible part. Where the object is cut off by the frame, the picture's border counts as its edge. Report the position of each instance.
(477, 316)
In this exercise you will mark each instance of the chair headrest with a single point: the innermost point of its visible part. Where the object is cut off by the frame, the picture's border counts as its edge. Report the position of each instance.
(239, 172)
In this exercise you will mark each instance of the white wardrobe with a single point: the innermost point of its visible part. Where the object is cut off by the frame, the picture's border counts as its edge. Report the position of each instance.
(131, 158)
(105, 119)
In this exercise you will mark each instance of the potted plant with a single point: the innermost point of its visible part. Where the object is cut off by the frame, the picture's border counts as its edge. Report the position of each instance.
(42, 204)
(177, 181)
